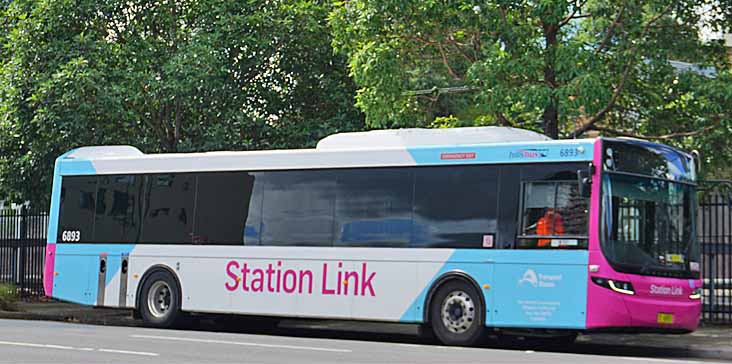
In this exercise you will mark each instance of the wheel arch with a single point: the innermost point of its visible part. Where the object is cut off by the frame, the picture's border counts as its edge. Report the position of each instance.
(458, 275)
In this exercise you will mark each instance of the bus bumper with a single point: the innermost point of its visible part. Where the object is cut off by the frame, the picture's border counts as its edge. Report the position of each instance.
(664, 314)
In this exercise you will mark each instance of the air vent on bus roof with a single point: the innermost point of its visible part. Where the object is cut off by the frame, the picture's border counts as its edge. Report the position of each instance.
(423, 137)
(106, 151)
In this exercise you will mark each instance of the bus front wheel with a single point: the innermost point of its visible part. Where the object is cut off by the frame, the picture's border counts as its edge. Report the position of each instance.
(159, 304)
(457, 314)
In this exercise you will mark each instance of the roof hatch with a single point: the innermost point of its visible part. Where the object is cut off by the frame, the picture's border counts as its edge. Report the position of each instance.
(402, 138)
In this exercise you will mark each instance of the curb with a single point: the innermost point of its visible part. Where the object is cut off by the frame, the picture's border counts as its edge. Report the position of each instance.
(711, 353)
(73, 317)
(685, 352)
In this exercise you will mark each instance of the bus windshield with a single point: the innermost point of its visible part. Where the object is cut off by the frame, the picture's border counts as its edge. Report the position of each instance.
(649, 226)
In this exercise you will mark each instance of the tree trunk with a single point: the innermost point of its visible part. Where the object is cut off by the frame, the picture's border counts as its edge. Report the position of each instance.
(551, 114)
(551, 122)
(171, 128)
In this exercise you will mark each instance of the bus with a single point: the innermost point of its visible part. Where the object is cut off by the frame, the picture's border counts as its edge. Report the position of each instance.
(462, 231)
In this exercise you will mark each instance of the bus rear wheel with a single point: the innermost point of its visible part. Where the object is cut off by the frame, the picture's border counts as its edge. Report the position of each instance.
(159, 304)
(457, 314)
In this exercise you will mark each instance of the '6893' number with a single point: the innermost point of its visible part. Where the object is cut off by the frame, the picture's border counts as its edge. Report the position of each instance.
(71, 235)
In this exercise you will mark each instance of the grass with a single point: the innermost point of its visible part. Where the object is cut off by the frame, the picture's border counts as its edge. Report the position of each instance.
(8, 297)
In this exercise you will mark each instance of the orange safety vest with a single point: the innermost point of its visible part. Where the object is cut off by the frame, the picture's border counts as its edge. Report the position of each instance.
(544, 226)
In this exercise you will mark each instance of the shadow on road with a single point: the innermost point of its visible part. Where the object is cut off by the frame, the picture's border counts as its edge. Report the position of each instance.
(407, 334)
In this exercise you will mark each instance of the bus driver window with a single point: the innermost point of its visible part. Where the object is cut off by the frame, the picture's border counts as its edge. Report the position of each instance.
(554, 215)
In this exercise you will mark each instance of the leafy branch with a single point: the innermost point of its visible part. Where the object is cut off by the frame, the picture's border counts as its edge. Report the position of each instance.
(655, 137)
(623, 78)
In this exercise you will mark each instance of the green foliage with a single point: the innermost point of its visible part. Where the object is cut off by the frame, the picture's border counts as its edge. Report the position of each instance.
(8, 297)
(197, 75)
(168, 76)
(562, 67)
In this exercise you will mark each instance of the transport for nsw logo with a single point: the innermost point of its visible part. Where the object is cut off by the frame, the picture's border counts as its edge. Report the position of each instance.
(530, 277)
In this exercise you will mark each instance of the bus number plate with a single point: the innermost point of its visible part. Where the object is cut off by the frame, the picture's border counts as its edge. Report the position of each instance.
(665, 318)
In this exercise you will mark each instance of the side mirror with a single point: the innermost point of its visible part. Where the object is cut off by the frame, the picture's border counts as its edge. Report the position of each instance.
(696, 156)
(584, 180)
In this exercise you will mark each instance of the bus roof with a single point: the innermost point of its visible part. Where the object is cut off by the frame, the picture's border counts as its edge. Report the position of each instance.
(380, 148)
(379, 139)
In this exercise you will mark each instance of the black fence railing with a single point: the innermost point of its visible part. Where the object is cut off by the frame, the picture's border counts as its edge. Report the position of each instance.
(22, 251)
(714, 230)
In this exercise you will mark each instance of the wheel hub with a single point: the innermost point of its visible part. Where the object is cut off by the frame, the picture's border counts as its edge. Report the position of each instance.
(159, 299)
(458, 312)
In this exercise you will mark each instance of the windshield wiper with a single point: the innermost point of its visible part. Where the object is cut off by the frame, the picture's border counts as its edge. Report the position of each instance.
(644, 268)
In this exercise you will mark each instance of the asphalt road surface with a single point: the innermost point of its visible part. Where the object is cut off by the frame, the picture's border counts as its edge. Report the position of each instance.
(56, 342)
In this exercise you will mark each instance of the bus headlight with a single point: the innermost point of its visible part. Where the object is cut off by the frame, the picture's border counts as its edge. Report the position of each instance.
(697, 294)
(615, 285)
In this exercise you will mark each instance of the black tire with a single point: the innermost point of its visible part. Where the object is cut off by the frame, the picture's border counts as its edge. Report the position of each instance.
(426, 335)
(166, 312)
(463, 311)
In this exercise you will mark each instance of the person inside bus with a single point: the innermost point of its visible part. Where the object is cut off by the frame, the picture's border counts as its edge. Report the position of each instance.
(549, 225)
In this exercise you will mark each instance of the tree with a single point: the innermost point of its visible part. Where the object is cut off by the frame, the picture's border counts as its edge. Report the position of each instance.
(168, 76)
(561, 67)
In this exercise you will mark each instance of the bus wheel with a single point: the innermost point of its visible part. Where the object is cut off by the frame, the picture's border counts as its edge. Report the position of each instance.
(457, 314)
(160, 300)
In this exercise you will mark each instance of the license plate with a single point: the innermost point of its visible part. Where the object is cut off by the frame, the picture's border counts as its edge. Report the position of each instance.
(665, 318)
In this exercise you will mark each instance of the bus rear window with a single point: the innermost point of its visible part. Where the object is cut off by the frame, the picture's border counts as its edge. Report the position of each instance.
(554, 215)
(76, 222)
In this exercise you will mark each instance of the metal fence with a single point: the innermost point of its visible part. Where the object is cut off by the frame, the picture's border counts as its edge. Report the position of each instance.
(22, 250)
(714, 229)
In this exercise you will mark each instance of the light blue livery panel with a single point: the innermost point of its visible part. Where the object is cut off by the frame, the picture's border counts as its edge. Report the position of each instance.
(510, 153)
(78, 269)
(527, 288)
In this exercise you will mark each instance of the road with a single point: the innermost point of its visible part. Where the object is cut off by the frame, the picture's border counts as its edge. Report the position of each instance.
(58, 343)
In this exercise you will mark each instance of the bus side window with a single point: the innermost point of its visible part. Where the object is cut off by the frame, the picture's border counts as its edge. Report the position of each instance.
(168, 215)
(554, 215)
(455, 207)
(507, 206)
(118, 211)
(298, 208)
(222, 206)
(373, 207)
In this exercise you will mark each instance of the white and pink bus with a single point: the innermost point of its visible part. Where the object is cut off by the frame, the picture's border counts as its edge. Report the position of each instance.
(458, 230)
